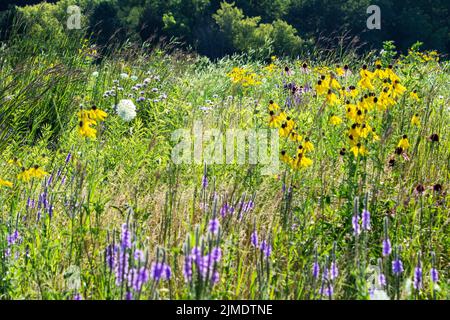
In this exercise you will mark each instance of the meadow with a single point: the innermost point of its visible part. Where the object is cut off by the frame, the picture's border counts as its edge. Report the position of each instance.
(92, 205)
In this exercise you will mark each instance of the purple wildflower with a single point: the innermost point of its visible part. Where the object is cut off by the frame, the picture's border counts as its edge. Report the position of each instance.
(126, 237)
(216, 254)
(159, 270)
(69, 156)
(266, 248)
(215, 277)
(204, 182)
(418, 277)
(365, 219)
(382, 279)
(334, 272)
(77, 297)
(224, 210)
(129, 296)
(387, 249)
(213, 226)
(315, 270)
(254, 239)
(187, 268)
(355, 223)
(434, 275)
(397, 266)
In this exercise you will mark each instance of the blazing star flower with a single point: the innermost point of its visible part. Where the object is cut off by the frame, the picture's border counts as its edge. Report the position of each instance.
(397, 266)
(213, 226)
(266, 248)
(77, 297)
(334, 272)
(434, 275)
(254, 239)
(126, 237)
(365, 217)
(418, 277)
(382, 279)
(315, 270)
(159, 270)
(216, 254)
(187, 268)
(386, 247)
(355, 224)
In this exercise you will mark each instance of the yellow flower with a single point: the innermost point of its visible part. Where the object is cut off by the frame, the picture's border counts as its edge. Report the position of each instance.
(359, 149)
(398, 89)
(322, 87)
(284, 129)
(404, 143)
(270, 68)
(415, 120)
(332, 99)
(340, 71)
(15, 162)
(5, 183)
(295, 137)
(301, 161)
(379, 73)
(308, 146)
(335, 120)
(414, 95)
(33, 172)
(273, 106)
(85, 130)
(97, 114)
(285, 157)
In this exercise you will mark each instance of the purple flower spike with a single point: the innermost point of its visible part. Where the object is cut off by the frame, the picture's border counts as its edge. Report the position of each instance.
(387, 249)
(254, 239)
(315, 270)
(213, 226)
(126, 237)
(418, 277)
(397, 266)
(365, 219)
(434, 275)
(355, 224)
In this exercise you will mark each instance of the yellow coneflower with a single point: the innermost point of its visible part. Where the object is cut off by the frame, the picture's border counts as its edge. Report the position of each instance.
(332, 99)
(85, 130)
(404, 143)
(335, 120)
(5, 183)
(273, 106)
(359, 149)
(379, 73)
(285, 157)
(97, 114)
(391, 74)
(15, 162)
(415, 120)
(284, 129)
(295, 137)
(322, 87)
(307, 145)
(33, 172)
(414, 95)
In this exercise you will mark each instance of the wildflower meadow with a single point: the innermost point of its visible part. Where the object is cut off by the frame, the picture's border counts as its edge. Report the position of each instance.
(143, 171)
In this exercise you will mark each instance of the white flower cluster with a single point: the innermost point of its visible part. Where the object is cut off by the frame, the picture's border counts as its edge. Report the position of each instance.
(126, 110)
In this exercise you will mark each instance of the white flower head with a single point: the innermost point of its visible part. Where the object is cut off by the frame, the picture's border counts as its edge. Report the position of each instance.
(134, 78)
(126, 110)
(95, 74)
(124, 75)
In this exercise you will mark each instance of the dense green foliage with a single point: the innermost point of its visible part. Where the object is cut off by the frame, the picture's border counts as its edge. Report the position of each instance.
(215, 28)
